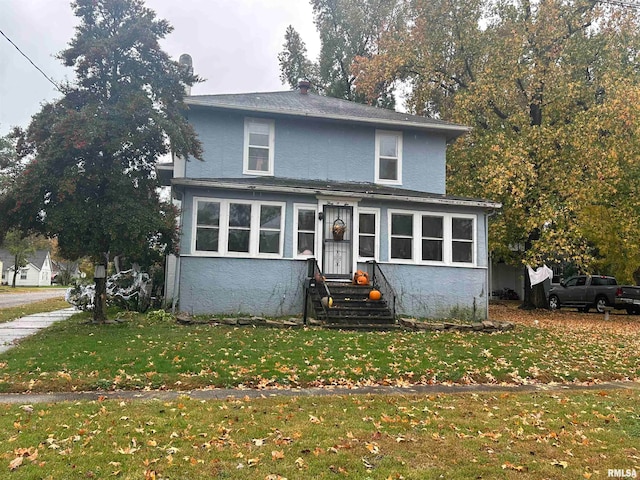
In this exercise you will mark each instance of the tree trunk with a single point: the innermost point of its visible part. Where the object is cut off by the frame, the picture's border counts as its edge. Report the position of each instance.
(100, 302)
(534, 296)
(15, 272)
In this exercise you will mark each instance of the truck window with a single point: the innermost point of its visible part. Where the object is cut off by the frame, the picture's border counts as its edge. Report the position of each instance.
(571, 282)
(581, 281)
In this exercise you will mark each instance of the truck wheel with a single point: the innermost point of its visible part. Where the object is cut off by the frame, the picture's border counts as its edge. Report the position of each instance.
(601, 302)
(554, 302)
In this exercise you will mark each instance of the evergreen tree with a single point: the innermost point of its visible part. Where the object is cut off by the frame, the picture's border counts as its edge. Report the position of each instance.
(91, 181)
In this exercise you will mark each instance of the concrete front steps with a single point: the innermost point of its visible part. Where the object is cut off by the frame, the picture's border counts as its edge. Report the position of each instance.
(352, 308)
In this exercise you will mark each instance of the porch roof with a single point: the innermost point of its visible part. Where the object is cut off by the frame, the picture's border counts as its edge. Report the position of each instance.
(356, 190)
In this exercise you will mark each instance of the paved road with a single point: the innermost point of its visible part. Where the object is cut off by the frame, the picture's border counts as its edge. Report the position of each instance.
(14, 299)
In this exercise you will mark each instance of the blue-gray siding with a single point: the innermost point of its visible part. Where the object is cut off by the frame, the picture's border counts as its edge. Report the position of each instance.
(274, 287)
(315, 149)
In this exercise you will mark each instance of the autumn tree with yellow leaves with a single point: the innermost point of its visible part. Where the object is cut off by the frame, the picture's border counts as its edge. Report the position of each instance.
(551, 89)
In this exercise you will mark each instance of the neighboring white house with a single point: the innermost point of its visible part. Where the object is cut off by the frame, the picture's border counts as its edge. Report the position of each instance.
(37, 273)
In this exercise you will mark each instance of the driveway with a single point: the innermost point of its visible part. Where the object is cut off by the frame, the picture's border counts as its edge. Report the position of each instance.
(15, 299)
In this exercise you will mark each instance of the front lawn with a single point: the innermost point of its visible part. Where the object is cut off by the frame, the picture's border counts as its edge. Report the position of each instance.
(578, 435)
(142, 353)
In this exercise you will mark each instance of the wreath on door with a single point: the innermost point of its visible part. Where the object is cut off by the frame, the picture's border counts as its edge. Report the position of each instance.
(338, 229)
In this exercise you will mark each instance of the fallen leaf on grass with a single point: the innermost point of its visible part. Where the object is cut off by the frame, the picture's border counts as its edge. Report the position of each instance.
(340, 470)
(128, 450)
(373, 447)
(314, 419)
(511, 466)
(557, 463)
(15, 463)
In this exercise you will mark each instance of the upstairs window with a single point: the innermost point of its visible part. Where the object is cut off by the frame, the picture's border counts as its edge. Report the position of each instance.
(258, 146)
(388, 157)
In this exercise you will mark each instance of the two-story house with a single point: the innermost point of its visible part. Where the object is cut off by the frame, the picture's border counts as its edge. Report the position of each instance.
(288, 176)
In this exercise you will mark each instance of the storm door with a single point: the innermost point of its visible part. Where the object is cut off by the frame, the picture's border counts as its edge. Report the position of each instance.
(337, 245)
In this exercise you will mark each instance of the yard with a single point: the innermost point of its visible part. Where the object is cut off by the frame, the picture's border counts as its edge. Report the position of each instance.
(559, 433)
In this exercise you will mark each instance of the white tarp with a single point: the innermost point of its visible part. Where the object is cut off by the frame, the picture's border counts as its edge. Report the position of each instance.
(539, 275)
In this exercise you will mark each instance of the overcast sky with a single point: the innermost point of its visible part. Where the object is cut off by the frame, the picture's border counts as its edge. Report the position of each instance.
(234, 45)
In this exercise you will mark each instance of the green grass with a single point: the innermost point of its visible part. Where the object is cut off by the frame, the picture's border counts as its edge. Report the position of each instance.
(456, 436)
(142, 353)
(541, 435)
(11, 313)
(9, 289)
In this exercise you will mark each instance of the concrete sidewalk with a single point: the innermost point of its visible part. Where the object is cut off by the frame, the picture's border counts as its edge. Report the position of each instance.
(227, 393)
(17, 329)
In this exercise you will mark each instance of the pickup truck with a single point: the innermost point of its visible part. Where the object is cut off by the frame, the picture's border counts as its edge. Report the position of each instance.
(584, 292)
(628, 298)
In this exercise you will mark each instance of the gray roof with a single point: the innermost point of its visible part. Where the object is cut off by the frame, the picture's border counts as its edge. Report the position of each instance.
(331, 188)
(37, 258)
(310, 105)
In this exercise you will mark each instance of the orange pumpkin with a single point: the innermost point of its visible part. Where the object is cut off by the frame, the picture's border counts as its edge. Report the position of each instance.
(357, 275)
(363, 279)
(375, 295)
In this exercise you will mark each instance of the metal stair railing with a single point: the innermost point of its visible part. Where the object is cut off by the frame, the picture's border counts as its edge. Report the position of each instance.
(315, 281)
(380, 282)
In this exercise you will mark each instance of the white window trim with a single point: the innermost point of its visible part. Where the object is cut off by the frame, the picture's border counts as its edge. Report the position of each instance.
(296, 208)
(376, 241)
(386, 181)
(447, 247)
(248, 121)
(223, 235)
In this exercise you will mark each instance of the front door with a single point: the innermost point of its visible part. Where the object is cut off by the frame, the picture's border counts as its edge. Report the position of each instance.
(337, 241)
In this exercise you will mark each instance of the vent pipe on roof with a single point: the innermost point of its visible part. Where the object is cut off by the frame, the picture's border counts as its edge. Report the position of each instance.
(304, 86)
(187, 63)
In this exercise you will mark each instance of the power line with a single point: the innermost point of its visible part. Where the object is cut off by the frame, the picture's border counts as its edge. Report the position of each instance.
(31, 62)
